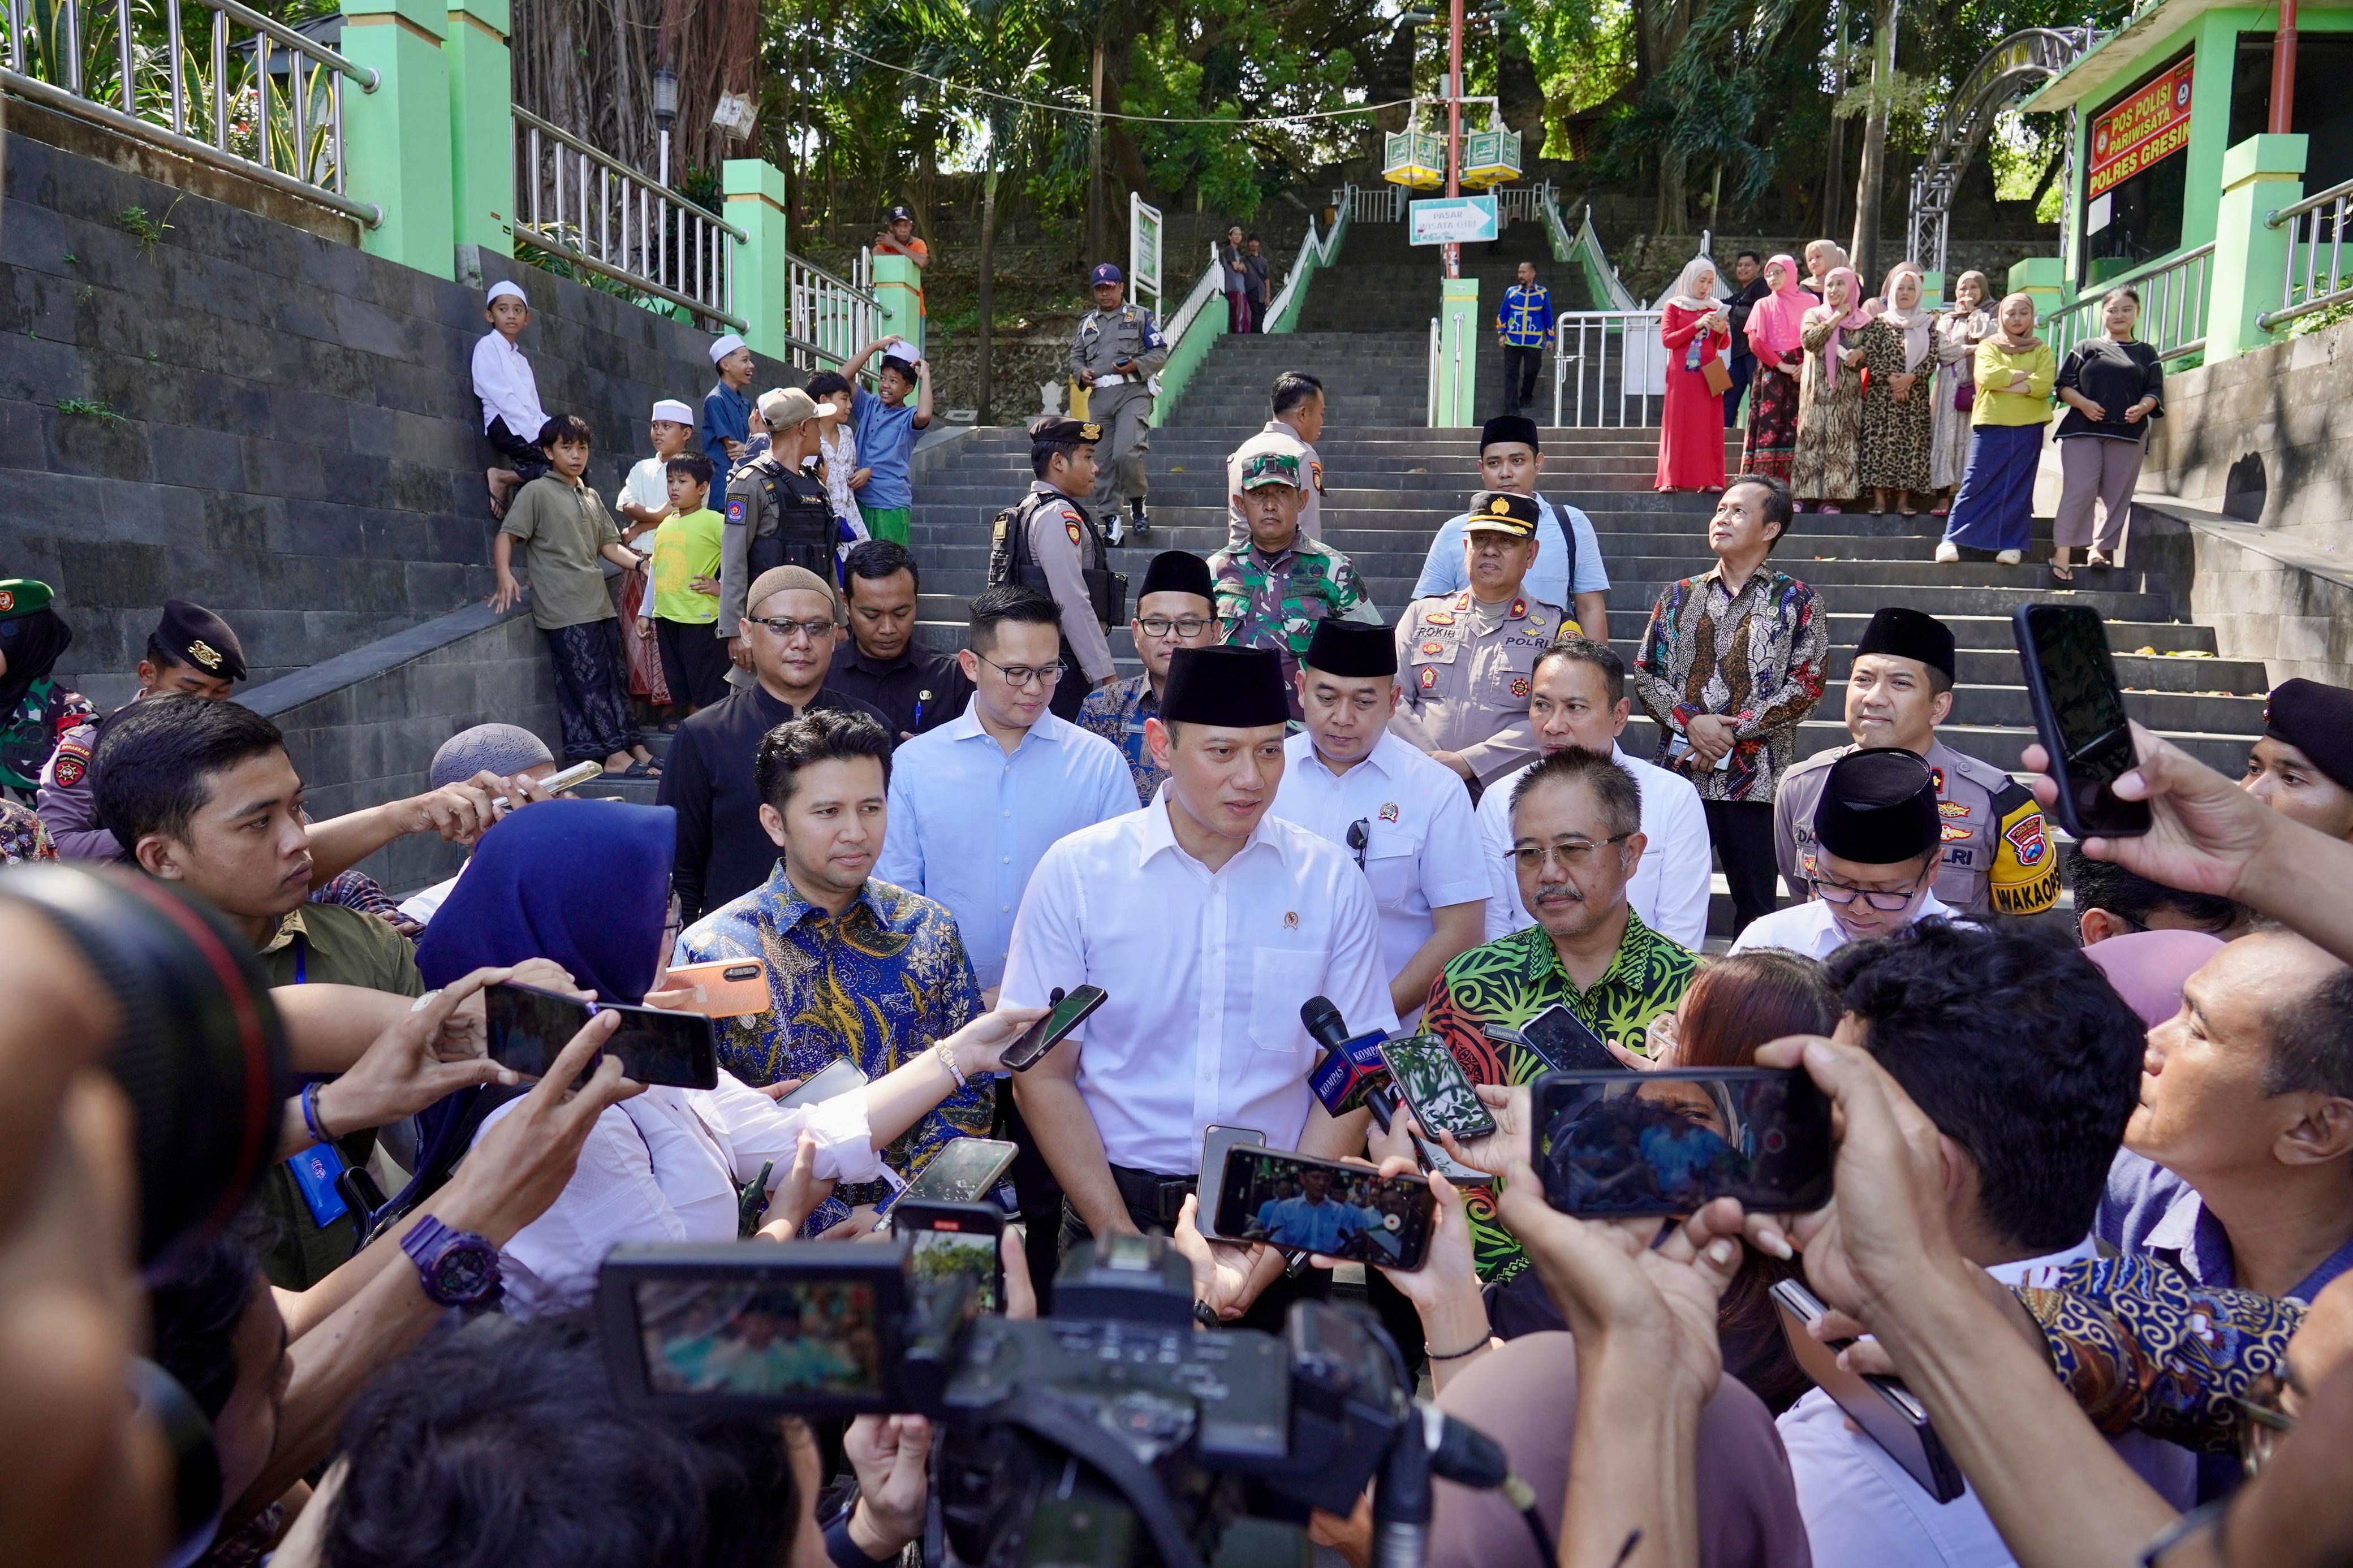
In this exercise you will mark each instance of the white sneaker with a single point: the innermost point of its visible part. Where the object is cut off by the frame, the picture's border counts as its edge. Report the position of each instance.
(1948, 552)
(2009, 557)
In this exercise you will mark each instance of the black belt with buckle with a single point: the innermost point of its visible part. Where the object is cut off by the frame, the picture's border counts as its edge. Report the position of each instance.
(1149, 1195)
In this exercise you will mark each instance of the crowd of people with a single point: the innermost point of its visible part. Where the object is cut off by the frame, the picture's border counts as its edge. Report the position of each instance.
(2093, 1180)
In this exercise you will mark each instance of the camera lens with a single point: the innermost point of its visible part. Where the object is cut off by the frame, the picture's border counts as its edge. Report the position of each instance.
(201, 1053)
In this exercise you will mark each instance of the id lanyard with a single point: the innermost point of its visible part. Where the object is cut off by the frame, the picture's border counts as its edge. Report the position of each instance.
(315, 1169)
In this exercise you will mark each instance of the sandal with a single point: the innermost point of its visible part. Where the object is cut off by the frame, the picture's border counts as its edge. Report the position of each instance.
(642, 770)
(2096, 559)
(2063, 574)
(1941, 511)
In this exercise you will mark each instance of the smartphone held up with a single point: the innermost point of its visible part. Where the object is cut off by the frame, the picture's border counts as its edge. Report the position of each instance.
(528, 1029)
(2079, 715)
(1302, 1204)
(1667, 1143)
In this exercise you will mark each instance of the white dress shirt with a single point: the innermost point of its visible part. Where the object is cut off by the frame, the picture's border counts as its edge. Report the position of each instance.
(1669, 890)
(1442, 571)
(1422, 850)
(1862, 1510)
(668, 1165)
(968, 821)
(1204, 970)
(502, 379)
(1812, 929)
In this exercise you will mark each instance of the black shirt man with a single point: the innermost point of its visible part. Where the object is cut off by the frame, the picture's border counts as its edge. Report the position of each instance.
(916, 688)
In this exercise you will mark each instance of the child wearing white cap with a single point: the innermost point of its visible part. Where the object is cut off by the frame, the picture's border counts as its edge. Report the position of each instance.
(644, 497)
(511, 416)
(727, 409)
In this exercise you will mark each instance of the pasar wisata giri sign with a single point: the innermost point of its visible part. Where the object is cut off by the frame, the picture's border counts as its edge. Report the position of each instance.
(2151, 125)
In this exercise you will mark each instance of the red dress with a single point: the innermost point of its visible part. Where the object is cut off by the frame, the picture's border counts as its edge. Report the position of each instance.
(1691, 434)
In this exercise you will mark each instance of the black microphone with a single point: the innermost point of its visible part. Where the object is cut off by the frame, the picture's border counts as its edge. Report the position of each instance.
(1324, 1023)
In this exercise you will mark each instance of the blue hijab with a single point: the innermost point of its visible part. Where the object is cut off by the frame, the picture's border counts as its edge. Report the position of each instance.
(583, 882)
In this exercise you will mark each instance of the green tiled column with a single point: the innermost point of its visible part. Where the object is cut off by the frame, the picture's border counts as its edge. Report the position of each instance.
(481, 124)
(898, 284)
(2260, 175)
(756, 203)
(1458, 355)
(396, 139)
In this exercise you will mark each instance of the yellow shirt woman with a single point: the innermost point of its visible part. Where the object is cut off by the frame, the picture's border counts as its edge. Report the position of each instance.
(1994, 365)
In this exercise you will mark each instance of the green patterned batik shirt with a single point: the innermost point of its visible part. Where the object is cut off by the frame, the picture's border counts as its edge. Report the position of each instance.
(1274, 601)
(1509, 982)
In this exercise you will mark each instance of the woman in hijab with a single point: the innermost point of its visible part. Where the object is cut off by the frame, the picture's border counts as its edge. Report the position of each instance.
(2113, 386)
(1822, 257)
(34, 711)
(1773, 328)
(1896, 423)
(1830, 397)
(1697, 330)
(587, 883)
(1995, 508)
(1958, 334)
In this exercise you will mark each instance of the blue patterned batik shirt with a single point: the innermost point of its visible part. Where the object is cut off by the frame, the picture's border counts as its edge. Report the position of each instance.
(880, 986)
(1117, 714)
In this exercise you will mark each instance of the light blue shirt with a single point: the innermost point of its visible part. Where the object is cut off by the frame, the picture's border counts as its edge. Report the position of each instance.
(1548, 579)
(969, 823)
(886, 440)
(1315, 1228)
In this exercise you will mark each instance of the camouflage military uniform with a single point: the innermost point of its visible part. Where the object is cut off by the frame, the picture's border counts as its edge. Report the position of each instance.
(1274, 601)
(1998, 857)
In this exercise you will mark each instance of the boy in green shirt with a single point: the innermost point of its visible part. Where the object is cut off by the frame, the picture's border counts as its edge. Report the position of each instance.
(684, 606)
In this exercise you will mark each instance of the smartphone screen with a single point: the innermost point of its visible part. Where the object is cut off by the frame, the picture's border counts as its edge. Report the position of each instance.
(1889, 1413)
(1302, 1204)
(2079, 712)
(1436, 1088)
(1215, 1141)
(527, 1029)
(835, 1079)
(961, 1240)
(1047, 1032)
(1566, 1044)
(964, 1171)
(774, 1338)
(1668, 1142)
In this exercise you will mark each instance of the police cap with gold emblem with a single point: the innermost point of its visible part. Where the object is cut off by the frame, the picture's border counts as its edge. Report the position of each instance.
(1501, 511)
(1878, 807)
(1057, 430)
(191, 635)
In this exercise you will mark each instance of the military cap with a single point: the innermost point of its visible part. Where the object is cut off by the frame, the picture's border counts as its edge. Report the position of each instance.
(1501, 511)
(1177, 571)
(194, 636)
(1262, 469)
(1509, 428)
(1904, 633)
(22, 596)
(2316, 719)
(1058, 430)
(1105, 272)
(1352, 650)
(1878, 807)
(1231, 687)
(790, 405)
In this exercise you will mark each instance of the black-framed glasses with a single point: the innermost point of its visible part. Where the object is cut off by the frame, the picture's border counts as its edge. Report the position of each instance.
(1841, 894)
(785, 627)
(1023, 674)
(1573, 854)
(1360, 834)
(1185, 626)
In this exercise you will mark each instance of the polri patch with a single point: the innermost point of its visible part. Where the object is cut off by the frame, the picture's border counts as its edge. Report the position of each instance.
(1389, 810)
(1429, 648)
(1437, 618)
(2026, 838)
(1951, 808)
(1519, 686)
(735, 509)
(1953, 832)
(1429, 677)
(1074, 529)
(72, 762)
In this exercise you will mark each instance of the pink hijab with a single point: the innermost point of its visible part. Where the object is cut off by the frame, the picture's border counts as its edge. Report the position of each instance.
(1855, 320)
(2147, 968)
(1774, 320)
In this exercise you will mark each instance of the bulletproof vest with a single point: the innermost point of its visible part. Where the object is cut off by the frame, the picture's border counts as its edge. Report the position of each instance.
(1011, 559)
(804, 531)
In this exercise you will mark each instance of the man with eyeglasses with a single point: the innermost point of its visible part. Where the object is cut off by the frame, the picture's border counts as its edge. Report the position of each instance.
(788, 631)
(1576, 841)
(1174, 610)
(1405, 819)
(1877, 841)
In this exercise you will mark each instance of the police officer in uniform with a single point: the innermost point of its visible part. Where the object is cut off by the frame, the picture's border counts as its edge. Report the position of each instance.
(194, 653)
(1467, 660)
(1997, 857)
(1115, 355)
(775, 515)
(1046, 540)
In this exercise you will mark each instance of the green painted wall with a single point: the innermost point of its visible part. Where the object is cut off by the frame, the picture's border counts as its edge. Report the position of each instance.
(396, 139)
(481, 124)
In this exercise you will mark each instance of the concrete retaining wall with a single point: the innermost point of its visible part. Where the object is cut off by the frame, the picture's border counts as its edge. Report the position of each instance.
(2266, 438)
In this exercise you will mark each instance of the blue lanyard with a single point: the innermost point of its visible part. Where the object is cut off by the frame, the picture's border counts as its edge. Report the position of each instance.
(301, 959)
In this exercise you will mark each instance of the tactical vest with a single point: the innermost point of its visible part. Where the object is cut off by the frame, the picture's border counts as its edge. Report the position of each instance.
(1011, 559)
(804, 531)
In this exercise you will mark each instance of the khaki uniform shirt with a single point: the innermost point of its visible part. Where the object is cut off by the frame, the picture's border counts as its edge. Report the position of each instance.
(758, 519)
(1058, 530)
(1106, 337)
(1998, 858)
(563, 527)
(1466, 683)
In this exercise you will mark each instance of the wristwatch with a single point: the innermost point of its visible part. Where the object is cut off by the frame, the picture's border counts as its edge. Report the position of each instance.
(457, 1267)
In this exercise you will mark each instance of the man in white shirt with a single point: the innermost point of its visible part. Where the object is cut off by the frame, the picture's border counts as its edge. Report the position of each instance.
(1578, 698)
(1208, 922)
(511, 416)
(1404, 819)
(1878, 839)
(1298, 409)
(2030, 1069)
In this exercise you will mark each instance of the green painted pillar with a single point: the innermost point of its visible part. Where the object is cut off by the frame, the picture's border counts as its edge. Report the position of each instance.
(2040, 277)
(481, 124)
(1458, 354)
(755, 189)
(2260, 175)
(396, 139)
(1931, 290)
(899, 285)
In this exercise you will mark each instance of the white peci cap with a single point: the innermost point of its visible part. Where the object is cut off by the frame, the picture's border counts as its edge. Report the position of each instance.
(503, 290)
(671, 409)
(727, 343)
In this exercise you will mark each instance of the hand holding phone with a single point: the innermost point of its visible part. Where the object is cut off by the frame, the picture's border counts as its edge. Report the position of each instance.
(1304, 1204)
(1889, 1413)
(527, 1028)
(1670, 1142)
(2080, 717)
(1069, 1012)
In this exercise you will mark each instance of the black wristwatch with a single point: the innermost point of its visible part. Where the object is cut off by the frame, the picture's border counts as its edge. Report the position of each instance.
(457, 1267)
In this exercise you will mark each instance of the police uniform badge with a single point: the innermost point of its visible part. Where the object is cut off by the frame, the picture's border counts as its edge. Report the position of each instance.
(1519, 686)
(1090, 432)
(72, 762)
(1290, 920)
(1951, 808)
(1437, 618)
(1315, 472)
(1071, 527)
(1429, 677)
(1518, 611)
(2027, 840)
(7, 600)
(1954, 832)
(735, 505)
(1389, 810)
(205, 654)
(1429, 650)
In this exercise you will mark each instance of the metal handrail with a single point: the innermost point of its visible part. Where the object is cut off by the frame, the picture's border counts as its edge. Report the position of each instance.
(1315, 252)
(548, 128)
(2294, 302)
(317, 175)
(1601, 279)
(1607, 385)
(1205, 288)
(1431, 416)
(2173, 290)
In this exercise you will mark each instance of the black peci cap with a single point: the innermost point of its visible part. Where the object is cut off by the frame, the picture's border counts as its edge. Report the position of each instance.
(1177, 571)
(1352, 650)
(2316, 719)
(194, 636)
(1878, 807)
(1509, 428)
(1231, 687)
(1909, 634)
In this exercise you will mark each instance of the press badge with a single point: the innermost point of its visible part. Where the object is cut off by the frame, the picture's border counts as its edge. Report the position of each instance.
(315, 1170)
